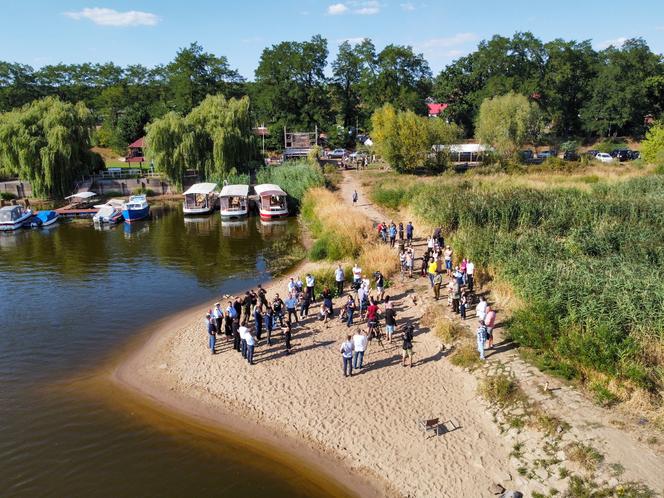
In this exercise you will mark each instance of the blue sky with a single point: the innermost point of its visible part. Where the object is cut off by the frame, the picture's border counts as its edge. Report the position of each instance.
(39, 32)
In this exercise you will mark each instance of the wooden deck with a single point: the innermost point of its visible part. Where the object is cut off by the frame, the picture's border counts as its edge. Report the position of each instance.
(77, 212)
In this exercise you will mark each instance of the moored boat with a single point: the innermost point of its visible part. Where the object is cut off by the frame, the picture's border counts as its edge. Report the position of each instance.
(80, 205)
(136, 208)
(44, 219)
(109, 213)
(234, 201)
(271, 201)
(200, 198)
(13, 217)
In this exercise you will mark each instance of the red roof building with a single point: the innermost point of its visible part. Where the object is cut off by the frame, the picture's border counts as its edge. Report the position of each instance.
(136, 151)
(436, 109)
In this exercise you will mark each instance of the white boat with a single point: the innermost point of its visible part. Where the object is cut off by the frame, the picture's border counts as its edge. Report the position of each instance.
(136, 208)
(109, 213)
(271, 201)
(234, 201)
(200, 198)
(13, 217)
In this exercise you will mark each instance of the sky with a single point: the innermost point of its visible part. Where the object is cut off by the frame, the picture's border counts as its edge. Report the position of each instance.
(41, 32)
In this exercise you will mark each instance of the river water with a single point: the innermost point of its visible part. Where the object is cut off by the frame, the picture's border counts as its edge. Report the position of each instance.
(71, 296)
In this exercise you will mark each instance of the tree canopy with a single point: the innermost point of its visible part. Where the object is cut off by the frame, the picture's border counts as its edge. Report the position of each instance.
(47, 143)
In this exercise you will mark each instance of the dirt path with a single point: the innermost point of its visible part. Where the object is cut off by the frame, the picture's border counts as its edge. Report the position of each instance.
(628, 455)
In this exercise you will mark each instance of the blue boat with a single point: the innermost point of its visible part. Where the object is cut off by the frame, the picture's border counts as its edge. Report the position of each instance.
(136, 208)
(44, 219)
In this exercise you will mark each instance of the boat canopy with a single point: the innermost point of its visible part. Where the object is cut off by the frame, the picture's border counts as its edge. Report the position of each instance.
(268, 189)
(201, 188)
(82, 195)
(234, 191)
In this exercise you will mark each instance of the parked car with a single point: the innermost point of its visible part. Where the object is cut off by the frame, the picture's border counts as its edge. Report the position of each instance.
(337, 154)
(570, 155)
(592, 152)
(545, 154)
(358, 155)
(603, 157)
(622, 154)
(526, 155)
(635, 154)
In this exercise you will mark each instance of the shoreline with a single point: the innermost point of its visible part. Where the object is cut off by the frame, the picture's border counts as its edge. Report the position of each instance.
(226, 420)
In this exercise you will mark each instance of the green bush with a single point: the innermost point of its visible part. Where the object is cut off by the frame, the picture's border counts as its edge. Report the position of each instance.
(143, 191)
(7, 196)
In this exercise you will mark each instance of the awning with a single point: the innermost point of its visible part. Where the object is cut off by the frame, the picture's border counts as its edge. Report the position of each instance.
(82, 195)
(201, 188)
(234, 191)
(268, 189)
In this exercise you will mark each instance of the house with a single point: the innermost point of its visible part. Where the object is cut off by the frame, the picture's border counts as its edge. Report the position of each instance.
(435, 109)
(464, 153)
(135, 154)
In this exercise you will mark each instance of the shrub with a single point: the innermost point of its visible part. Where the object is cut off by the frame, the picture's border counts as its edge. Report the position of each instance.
(143, 191)
(652, 148)
(501, 390)
(586, 456)
(465, 355)
(7, 196)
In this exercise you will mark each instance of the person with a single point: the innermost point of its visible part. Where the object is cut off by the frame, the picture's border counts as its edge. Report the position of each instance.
(291, 285)
(480, 309)
(409, 233)
(432, 270)
(298, 284)
(392, 232)
(463, 268)
(383, 231)
(439, 237)
(410, 261)
(448, 260)
(362, 299)
(237, 342)
(268, 321)
(262, 296)
(481, 337)
(278, 309)
(237, 305)
(456, 295)
(231, 311)
(463, 304)
(258, 320)
(242, 331)
(346, 351)
(470, 275)
(400, 232)
(218, 315)
(372, 318)
(430, 243)
(390, 319)
(305, 301)
(357, 274)
(380, 285)
(212, 332)
(251, 343)
(355, 196)
(350, 309)
(311, 282)
(359, 347)
(324, 313)
(407, 346)
(425, 262)
(327, 301)
(246, 307)
(437, 282)
(490, 323)
(339, 278)
(228, 325)
(287, 336)
(291, 304)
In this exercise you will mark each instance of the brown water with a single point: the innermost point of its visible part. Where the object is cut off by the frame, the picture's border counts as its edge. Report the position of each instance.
(70, 296)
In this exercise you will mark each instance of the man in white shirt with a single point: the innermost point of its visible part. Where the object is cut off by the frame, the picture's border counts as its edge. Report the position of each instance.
(311, 281)
(242, 331)
(339, 277)
(346, 351)
(218, 315)
(357, 273)
(291, 285)
(480, 309)
(470, 275)
(250, 340)
(359, 346)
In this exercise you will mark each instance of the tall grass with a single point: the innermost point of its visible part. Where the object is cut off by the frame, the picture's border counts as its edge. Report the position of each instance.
(295, 178)
(588, 264)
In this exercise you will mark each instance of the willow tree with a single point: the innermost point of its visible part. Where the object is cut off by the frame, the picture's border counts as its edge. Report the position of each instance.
(47, 143)
(215, 139)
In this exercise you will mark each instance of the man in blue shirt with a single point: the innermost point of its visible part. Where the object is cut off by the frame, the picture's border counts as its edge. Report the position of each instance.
(212, 332)
(291, 305)
(409, 233)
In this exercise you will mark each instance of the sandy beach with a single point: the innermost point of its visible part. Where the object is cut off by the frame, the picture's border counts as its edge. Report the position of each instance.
(362, 431)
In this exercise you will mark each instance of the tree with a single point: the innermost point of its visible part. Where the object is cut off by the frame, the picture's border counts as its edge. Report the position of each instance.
(507, 122)
(347, 74)
(215, 139)
(47, 143)
(405, 139)
(652, 148)
(291, 86)
(194, 74)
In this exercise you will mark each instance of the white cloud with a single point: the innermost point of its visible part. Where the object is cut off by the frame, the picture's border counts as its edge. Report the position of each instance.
(110, 17)
(448, 41)
(616, 42)
(407, 7)
(336, 8)
(359, 7)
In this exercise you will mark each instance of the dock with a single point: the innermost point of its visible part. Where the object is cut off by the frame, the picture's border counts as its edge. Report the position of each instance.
(69, 212)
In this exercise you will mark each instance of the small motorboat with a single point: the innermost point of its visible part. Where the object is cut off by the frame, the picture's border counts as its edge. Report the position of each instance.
(44, 219)
(271, 201)
(109, 213)
(136, 208)
(14, 217)
(200, 198)
(234, 201)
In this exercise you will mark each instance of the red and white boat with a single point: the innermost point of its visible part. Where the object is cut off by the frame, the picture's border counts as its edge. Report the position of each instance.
(271, 201)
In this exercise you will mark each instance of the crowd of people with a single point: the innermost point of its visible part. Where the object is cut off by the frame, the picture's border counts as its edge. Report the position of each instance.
(252, 319)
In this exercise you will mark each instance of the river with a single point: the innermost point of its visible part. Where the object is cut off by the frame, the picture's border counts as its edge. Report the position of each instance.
(71, 296)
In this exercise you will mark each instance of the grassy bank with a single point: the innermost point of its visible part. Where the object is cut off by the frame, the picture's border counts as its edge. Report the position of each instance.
(586, 261)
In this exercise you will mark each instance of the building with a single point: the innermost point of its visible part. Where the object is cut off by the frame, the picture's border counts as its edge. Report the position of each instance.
(435, 109)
